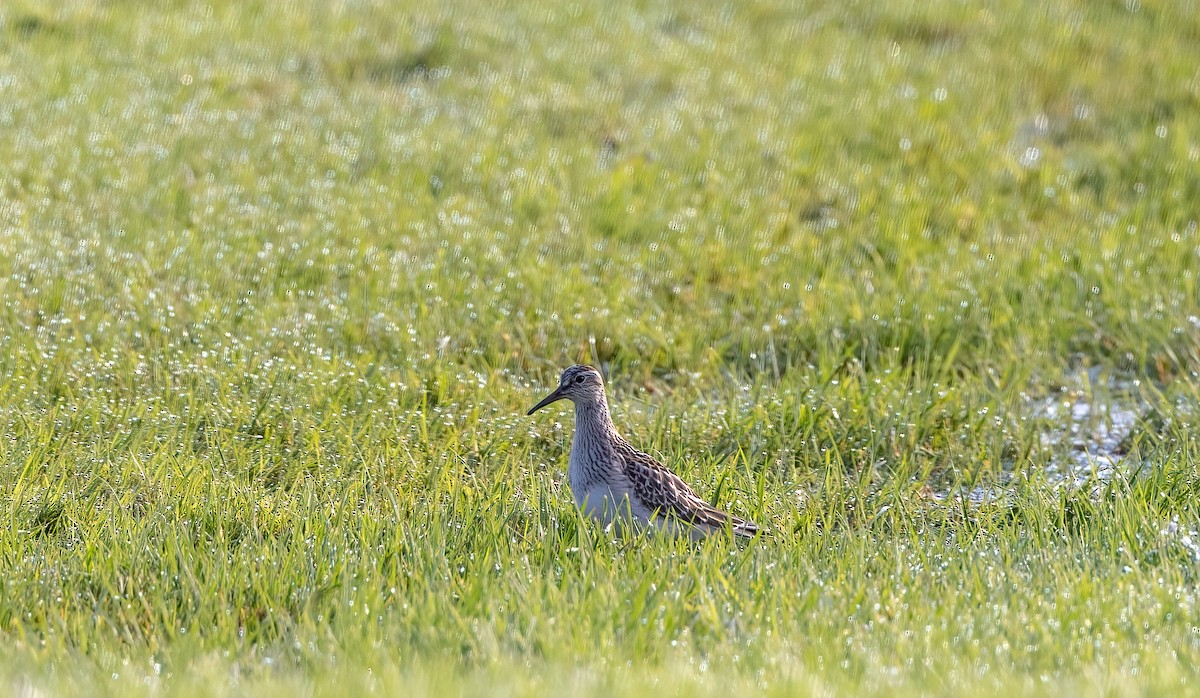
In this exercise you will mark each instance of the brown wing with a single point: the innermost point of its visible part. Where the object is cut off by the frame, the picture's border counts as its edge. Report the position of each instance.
(663, 491)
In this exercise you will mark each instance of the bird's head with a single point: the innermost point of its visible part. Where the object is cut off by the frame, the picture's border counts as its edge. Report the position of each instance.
(579, 384)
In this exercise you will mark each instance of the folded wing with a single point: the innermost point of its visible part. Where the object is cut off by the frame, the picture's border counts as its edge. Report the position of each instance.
(662, 491)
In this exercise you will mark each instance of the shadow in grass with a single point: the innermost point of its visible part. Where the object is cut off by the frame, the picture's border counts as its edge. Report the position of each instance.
(434, 60)
(28, 26)
(49, 520)
(923, 31)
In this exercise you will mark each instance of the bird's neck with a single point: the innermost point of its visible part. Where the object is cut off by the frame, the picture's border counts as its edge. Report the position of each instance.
(592, 459)
(592, 417)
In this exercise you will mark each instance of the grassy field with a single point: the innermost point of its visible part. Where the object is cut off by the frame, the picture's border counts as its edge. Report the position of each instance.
(280, 280)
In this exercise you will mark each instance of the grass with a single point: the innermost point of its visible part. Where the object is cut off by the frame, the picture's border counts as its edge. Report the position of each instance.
(280, 282)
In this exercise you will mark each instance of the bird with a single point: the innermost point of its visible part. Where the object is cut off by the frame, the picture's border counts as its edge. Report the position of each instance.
(613, 482)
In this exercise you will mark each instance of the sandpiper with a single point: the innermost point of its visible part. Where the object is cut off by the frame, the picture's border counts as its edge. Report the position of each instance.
(612, 480)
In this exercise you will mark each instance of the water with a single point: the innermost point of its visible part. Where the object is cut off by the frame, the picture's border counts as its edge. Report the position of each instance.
(1094, 434)
(1090, 425)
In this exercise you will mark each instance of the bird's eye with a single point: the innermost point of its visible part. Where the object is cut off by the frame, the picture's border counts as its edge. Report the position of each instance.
(579, 379)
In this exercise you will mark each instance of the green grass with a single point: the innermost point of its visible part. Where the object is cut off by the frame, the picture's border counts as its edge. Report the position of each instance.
(279, 282)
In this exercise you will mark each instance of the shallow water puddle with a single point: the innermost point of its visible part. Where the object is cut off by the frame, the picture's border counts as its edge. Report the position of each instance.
(1095, 435)
(1087, 429)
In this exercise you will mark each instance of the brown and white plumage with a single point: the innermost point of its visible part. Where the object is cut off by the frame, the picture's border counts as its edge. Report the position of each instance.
(613, 480)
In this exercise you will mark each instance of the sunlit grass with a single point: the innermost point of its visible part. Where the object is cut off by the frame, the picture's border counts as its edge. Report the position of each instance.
(280, 281)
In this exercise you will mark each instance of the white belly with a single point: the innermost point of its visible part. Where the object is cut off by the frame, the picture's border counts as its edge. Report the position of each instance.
(608, 506)
(603, 503)
(601, 500)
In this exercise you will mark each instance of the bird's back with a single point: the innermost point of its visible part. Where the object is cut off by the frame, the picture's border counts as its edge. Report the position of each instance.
(661, 494)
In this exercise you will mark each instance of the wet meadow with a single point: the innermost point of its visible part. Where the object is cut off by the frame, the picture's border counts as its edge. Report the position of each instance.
(914, 285)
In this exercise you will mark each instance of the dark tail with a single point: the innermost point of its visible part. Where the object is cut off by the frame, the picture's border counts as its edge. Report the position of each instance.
(745, 529)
